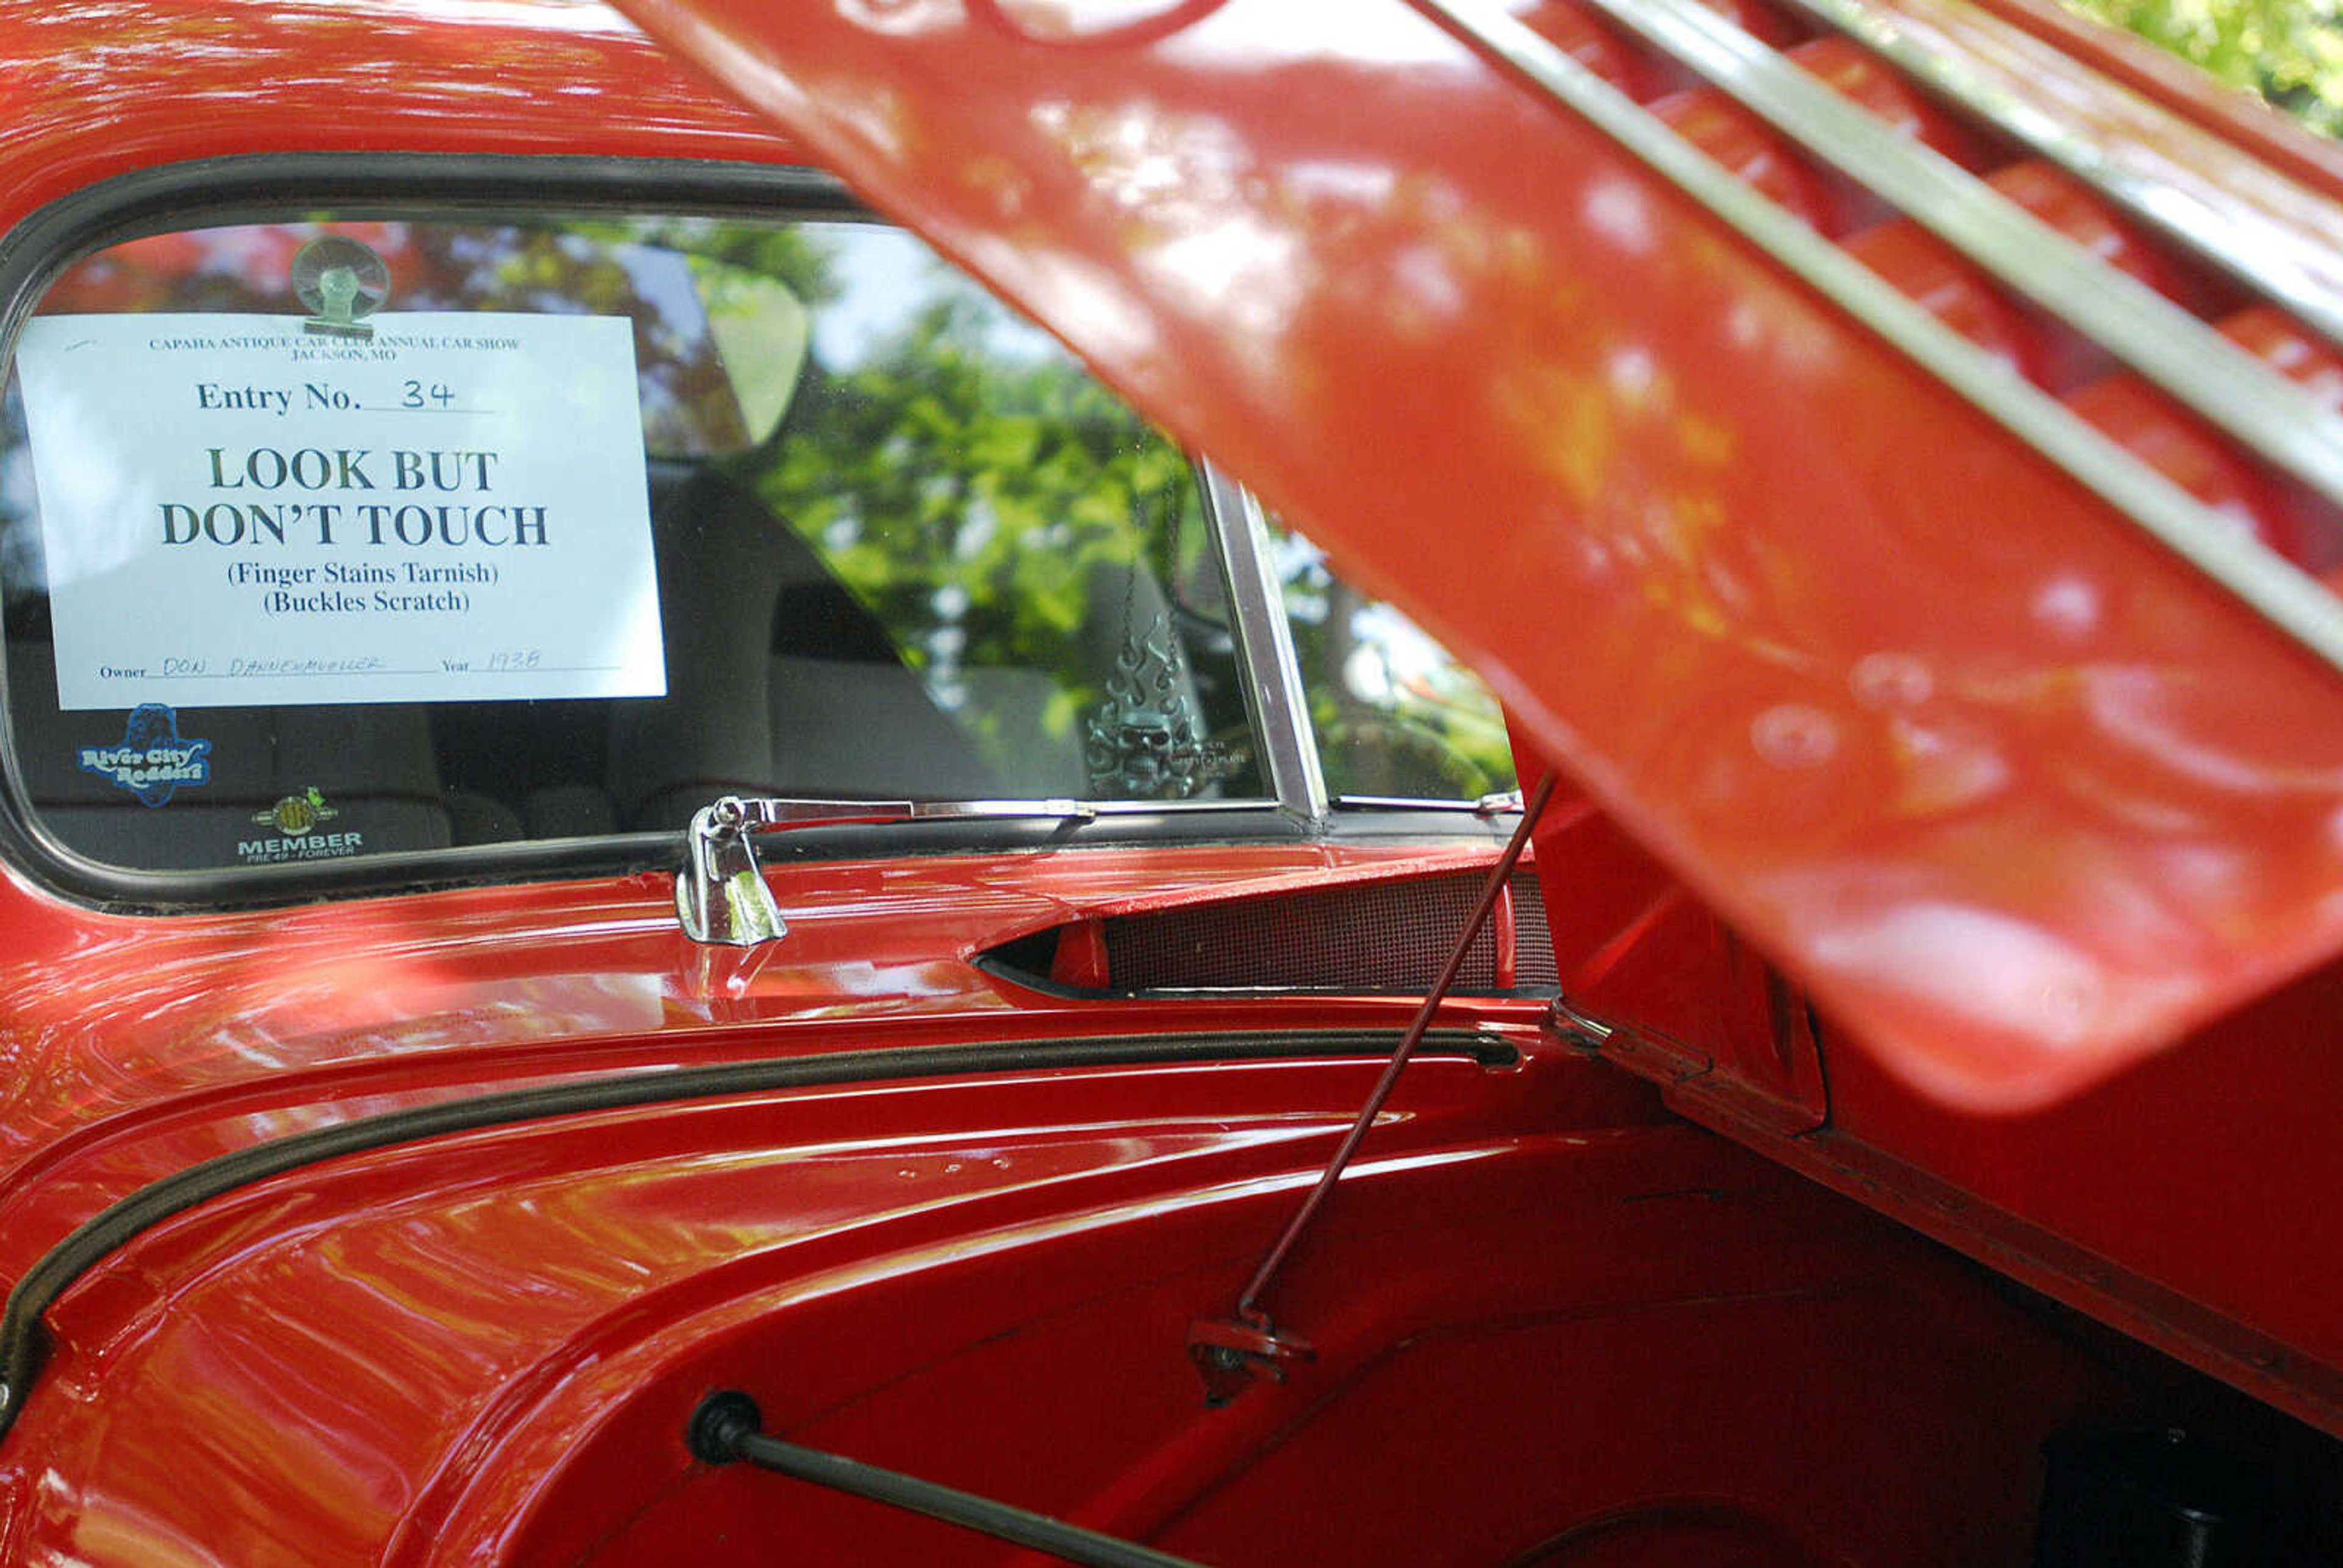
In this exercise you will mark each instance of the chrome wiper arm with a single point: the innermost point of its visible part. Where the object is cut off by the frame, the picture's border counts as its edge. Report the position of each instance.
(720, 896)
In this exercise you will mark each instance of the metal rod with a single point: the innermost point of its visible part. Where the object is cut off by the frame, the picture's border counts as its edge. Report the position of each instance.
(1249, 1303)
(724, 1428)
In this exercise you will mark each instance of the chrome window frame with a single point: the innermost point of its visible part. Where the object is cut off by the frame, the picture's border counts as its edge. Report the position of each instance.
(1274, 696)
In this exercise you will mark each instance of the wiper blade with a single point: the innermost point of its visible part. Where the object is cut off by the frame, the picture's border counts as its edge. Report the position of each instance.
(720, 896)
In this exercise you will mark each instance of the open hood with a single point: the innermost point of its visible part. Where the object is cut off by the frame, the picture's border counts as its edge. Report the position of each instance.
(2022, 757)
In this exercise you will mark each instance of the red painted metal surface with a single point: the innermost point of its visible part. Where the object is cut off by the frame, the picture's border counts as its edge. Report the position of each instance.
(2020, 804)
(96, 90)
(484, 1348)
(139, 1046)
(1551, 1319)
(1989, 793)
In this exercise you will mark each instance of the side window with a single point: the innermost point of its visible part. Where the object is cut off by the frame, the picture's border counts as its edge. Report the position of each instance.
(1397, 716)
(329, 539)
(1029, 547)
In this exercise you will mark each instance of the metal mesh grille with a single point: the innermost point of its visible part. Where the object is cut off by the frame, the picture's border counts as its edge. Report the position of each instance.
(1390, 937)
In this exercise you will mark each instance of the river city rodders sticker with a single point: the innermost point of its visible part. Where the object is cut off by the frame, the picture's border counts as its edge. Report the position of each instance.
(237, 513)
(153, 761)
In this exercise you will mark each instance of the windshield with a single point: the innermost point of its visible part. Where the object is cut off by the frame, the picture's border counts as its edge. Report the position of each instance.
(333, 538)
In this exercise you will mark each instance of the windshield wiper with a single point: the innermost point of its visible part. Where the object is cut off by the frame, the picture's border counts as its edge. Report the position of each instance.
(720, 895)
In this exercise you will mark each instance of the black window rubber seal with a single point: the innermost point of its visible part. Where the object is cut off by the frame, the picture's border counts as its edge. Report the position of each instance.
(23, 1339)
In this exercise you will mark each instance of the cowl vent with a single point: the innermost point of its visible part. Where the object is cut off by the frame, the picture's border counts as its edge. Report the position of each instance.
(1375, 939)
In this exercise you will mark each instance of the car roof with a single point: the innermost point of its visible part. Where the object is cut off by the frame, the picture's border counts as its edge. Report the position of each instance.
(100, 90)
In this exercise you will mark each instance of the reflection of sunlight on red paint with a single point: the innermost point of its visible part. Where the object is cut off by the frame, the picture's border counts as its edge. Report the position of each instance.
(211, 1032)
(339, 984)
(1097, 24)
(537, 15)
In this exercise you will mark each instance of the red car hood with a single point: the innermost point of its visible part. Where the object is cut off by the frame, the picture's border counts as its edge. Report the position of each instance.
(2017, 793)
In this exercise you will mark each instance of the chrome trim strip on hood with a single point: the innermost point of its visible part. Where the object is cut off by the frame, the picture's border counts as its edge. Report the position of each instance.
(2189, 360)
(2265, 266)
(2288, 600)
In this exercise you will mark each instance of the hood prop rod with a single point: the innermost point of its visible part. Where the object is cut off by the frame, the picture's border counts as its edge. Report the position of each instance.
(1231, 1352)
(727, 1427)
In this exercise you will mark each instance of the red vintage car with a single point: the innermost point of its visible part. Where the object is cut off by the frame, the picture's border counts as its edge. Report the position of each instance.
(677, 890)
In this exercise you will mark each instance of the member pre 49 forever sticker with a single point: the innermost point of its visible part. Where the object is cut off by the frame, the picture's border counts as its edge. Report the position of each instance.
(153, 761)
(297, 818)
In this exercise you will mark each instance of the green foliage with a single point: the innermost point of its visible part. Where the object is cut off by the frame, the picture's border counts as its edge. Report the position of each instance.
(961, 491)
(2290, 52)
(990, 503)
(999, 511)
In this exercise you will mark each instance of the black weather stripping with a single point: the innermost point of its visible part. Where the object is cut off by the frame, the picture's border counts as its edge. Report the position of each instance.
(24, 1340)
(727, 1427)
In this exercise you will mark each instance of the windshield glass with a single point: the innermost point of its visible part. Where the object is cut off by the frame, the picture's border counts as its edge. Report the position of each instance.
(332, 539)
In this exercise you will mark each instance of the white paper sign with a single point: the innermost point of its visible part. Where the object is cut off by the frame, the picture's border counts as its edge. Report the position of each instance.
(235, 512)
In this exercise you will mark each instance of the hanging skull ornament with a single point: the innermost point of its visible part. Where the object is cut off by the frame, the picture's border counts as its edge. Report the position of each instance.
(1144, 741)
